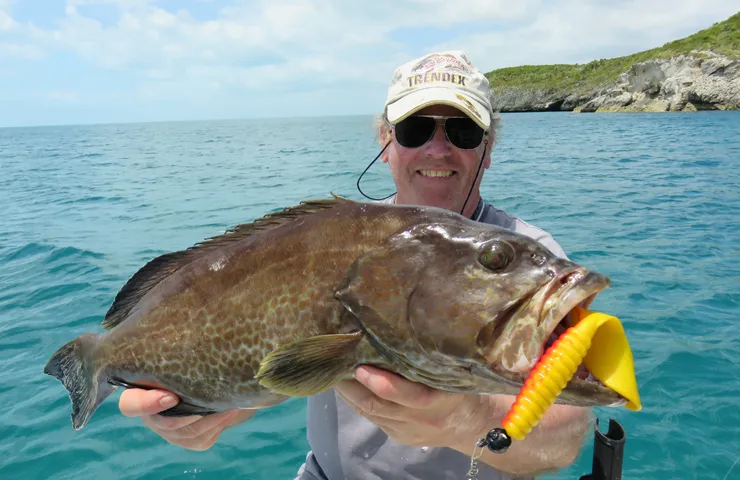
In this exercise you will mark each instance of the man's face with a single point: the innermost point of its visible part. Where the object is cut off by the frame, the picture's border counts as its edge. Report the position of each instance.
(437, 173)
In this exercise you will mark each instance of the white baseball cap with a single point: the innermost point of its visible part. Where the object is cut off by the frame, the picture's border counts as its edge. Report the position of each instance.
(439, 78)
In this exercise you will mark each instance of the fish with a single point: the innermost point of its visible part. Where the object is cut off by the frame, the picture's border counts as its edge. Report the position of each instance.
(291, 303)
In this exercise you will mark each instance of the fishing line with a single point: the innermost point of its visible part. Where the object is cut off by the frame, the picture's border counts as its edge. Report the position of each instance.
(733, 466)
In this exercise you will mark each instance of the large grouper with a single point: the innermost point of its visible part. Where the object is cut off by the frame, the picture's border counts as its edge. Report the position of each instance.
(292, 303)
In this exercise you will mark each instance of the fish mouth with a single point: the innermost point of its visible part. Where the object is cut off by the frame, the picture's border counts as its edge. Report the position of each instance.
(552, 305)
(575, 288)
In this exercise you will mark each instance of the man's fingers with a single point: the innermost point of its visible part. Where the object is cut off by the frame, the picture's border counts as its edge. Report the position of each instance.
(384, 422)
(395, 388)
(199, 427)
(166, 425)
(368, 404)
(197, 444)
(136, 402)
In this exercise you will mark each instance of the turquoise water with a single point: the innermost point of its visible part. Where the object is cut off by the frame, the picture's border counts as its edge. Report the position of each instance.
(652, 200)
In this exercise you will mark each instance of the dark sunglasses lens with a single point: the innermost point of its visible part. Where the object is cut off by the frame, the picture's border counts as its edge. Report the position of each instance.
(414, 131)
(464, 132)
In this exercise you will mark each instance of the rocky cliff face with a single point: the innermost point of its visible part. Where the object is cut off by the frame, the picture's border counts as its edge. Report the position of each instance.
(701, 81)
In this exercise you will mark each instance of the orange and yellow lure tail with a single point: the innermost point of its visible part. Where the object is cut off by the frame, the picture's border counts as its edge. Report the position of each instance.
(610, 361)
(547, 379)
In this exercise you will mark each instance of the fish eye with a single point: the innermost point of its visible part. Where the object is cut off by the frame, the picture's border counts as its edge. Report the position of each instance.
(496, 256)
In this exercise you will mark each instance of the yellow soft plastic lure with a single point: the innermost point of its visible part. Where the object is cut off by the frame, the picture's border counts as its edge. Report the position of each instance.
(596, 340)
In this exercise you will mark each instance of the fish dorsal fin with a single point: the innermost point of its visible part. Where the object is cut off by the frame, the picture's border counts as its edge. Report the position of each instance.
(165, 265)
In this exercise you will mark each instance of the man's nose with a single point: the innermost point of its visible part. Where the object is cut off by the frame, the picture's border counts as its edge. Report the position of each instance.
(439, 144)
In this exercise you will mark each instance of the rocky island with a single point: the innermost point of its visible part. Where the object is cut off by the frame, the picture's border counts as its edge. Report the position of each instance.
(699, 72)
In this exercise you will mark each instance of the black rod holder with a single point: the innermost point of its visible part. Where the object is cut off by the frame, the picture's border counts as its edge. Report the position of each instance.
(608, 453)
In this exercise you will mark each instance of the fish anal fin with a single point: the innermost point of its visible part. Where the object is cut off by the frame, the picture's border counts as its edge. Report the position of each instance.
(161, 267)
(309, 366)
(185, 409)
(182, 409)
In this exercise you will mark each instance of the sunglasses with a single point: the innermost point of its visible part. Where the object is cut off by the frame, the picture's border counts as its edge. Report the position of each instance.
(415, 131)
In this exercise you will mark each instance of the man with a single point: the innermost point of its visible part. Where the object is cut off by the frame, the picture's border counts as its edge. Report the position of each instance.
(381, 425)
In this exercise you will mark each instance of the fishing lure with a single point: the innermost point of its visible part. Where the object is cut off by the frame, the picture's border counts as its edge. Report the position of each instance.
(611, 364)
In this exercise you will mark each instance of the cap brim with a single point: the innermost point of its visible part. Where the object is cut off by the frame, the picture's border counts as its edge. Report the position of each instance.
(415, 101)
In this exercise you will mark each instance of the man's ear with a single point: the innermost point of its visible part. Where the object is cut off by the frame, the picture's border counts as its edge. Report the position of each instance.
(387, 138)
(384, 157)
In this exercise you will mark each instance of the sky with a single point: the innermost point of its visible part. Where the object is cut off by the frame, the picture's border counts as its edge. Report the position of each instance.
(105, 61)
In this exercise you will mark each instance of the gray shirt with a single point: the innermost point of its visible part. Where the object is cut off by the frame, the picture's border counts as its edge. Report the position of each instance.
(344, 445)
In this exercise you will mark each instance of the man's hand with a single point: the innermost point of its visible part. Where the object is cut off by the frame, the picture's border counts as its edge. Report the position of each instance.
(194, 432)
(414, 414)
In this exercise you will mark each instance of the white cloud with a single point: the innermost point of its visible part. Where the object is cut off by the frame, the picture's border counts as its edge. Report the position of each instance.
(147, 36)
(122, 4)
(264, 47)
(6, 22)
(14, 37)
(24, 51)
(576, 31)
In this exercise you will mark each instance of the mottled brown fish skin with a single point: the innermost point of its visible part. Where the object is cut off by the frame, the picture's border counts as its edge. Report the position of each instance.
(290, 304)
(207, 342)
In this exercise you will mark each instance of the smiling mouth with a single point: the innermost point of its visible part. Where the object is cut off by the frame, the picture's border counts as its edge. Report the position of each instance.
(436, 173)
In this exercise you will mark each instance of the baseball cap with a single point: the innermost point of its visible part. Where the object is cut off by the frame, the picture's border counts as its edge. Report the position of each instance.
(447, 77)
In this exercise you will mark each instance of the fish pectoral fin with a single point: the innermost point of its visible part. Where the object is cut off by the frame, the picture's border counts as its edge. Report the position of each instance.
(309, 366)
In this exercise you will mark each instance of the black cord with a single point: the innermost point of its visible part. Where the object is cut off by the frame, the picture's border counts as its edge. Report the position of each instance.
(366, 169)
(480, 164)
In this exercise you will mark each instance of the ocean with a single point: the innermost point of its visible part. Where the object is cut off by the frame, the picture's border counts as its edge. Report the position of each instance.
(651, 200)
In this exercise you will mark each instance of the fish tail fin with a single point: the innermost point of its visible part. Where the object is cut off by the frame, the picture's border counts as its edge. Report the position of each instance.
(73, 365)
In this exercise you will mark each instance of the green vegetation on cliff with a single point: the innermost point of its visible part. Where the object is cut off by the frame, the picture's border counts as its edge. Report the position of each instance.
(722, 37)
